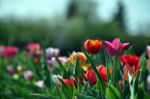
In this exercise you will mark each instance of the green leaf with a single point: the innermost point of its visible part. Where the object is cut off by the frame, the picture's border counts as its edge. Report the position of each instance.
(81, 96)
(59, 93)
(41, 96)
(112, 92)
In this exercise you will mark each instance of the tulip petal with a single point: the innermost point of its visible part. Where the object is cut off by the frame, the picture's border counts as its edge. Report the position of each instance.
(116, 42)
(110, 49)
(122, 46)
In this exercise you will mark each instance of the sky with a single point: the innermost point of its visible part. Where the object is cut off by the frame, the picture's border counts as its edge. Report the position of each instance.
(137, 11)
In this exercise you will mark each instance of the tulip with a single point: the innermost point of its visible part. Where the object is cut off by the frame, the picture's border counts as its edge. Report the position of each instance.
(102, 72)
(130, 60)
(10, 70)
(115, 47)
(91, 77)
(32, 48)
(130, 64)
(51, 52)
(77, 55)
(28, 75)
(85, 67)
(70, 82)
(10, 51)
(148, 51)
(92, 46)
(40, 84)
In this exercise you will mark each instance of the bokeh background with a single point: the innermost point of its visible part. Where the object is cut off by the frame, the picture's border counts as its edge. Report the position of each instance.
(66, 24)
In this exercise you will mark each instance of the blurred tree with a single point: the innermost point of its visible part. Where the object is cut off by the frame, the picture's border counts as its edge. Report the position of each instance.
(72, 9)
(119, 17)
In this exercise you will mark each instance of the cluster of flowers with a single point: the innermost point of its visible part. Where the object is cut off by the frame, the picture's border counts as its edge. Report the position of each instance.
(129, 62)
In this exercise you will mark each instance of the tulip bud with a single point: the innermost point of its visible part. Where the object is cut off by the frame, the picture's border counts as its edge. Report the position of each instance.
(91, 77)
(28, 75)
(70, 82)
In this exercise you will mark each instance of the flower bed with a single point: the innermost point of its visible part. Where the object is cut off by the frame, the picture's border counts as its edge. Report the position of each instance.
(39, 72)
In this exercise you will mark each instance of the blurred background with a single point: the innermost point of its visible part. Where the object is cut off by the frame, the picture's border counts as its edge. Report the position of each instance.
(66, 24)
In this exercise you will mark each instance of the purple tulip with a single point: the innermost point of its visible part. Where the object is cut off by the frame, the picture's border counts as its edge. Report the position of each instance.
(10, 70)
(28, 75)
(51, 52)
(115, 47)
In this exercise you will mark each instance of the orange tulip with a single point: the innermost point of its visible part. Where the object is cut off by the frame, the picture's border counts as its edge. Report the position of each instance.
(132, 70)
(92, 46)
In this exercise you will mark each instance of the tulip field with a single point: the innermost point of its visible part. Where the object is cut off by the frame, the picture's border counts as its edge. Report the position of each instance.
(102, 70)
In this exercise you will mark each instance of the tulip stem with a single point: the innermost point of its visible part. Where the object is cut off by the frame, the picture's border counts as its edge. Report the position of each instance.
(115, 70)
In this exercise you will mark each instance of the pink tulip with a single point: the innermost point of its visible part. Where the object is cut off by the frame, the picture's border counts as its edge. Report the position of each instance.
(28, 75)
(115, 47)
(32, 48)
(10, 51)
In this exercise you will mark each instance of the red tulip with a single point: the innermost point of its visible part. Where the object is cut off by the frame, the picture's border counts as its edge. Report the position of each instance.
(130, 60)
(130, 64)
(102, 72)
(115, 47)
(10, 51)
(70, 82)
(91, 77)
(92, 46)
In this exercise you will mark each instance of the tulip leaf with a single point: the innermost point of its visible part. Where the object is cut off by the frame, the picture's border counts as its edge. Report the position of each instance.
(80, 96)
(59, 93)
(112, 92)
